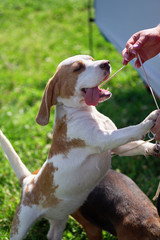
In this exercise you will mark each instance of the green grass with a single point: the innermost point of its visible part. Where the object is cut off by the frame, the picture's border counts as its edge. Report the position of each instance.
(35, 36)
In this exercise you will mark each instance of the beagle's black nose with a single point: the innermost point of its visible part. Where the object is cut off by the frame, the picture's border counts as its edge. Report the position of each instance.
(105, 65)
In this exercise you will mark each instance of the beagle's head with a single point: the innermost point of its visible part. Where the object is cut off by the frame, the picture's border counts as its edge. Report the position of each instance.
(75, 84)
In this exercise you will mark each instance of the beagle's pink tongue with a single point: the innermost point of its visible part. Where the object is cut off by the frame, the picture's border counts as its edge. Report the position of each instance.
(92, 96)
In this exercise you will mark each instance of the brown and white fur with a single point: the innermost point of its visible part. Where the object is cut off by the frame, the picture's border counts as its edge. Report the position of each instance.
(118, 206)
(80, 153)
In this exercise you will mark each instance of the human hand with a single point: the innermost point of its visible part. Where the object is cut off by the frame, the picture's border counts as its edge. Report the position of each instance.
(156, 129)
(146, 43)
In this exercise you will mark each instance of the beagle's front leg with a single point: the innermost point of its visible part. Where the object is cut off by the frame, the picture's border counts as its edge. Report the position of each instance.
(138, 148)
(106, 137)
(119, 137)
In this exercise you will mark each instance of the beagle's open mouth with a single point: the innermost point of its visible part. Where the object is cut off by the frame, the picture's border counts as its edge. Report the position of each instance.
(93, 96)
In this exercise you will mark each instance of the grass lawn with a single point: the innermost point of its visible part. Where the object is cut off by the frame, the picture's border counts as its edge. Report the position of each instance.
(35, 36)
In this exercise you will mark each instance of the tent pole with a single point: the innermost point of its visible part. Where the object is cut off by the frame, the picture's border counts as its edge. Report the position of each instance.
(90, 29)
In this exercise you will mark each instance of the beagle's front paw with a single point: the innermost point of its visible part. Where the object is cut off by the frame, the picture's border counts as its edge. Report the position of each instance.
(149, 121)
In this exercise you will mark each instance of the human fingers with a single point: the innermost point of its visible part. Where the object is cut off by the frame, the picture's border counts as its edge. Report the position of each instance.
(136, 42)
(156, 129)
(128, 52)
(127, 55)
(131, 41)
(129, 45)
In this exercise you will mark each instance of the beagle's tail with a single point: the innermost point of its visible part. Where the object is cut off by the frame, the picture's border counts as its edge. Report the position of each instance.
(20, 170)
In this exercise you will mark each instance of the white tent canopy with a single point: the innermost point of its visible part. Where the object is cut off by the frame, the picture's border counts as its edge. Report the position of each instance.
(118, 20)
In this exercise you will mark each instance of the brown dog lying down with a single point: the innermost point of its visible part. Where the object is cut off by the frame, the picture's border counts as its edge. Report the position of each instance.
(118, 206)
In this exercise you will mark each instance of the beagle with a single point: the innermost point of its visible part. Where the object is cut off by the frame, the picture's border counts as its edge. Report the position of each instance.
(80, 153)
(118, 206)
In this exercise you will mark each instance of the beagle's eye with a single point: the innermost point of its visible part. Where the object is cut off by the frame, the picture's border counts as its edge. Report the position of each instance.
(78, 67)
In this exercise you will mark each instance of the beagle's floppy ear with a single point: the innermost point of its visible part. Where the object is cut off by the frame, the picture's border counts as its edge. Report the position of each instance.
(49, 99)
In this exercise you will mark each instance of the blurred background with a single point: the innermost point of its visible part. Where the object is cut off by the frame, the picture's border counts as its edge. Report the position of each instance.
(35, 36)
